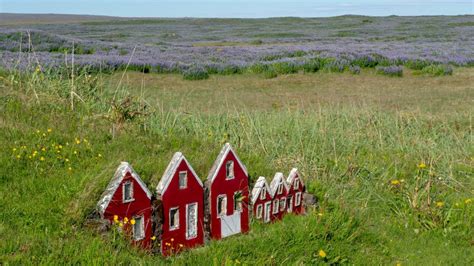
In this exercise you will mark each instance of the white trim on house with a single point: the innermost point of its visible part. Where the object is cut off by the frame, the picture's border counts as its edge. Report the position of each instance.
(282, 204)
(114, 184)
(235, 203)
(195, 223)
(298, 199)
(183, 175)
(294, 173)
(220, 160)
(259, 185)
(170, 173)
(229, 170)
(276, 206)
(176, 219)
(139, 221)
(258, 212)
(124, 198)
(277, 183)
(223, 211)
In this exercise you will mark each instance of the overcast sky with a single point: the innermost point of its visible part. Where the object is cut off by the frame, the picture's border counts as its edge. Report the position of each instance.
(239, 8)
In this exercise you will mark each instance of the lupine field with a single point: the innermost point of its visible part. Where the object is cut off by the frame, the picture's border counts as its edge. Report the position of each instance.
(375, 112)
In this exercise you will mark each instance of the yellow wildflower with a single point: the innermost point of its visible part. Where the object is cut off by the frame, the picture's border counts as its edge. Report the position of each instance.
(75, 152)
(18, 156)
(125, 220)
(29, 157)
(78, 141)
(153, 238)
(41, 158)
(320, 214)
(322, 254)
(132, 221)
(439, 204)
(121, 224)
(115, 217)
(395, 182)
(14, 149)
(467, 201)
(50, 130)
(23, 147)
(43, 149)
(99, 155)
(66, 160)
(44, 134)
(422, 165)
(60, 146)
(70, 168)
(398, 264)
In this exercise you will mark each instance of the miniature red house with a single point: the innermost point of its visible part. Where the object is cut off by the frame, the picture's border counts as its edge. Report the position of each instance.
(296, 190)
(227, 188)
(262, 199)
(182, 195)
(127, 203)
(279, 190)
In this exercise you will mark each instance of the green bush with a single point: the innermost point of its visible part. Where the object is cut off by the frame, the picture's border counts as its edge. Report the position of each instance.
(195, 73)
(437, 70)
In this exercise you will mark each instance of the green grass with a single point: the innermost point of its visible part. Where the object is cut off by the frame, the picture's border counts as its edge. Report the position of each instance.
(352, 137)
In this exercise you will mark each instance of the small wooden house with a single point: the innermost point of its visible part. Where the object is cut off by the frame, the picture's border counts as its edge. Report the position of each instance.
(296, 190)
(181, 193)
(227, 192)
(279, 190)
(126, 202)
(262, 200)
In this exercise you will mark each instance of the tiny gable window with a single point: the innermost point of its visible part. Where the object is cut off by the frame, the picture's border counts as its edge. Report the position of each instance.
(221, 205)
(296, 184)
(174, 218)
(282, 204)
(258, 215)
(298, 199)
(276, 206)
(183, 179)
(238, 197)
(280, 188)
(138, 228)
(127, 191)
(229, 169)
(263, 193)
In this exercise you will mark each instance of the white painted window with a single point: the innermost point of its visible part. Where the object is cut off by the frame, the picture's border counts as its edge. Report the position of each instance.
(221, 205)
(183, 179)
(263, 193)
(229, 169)
(296, 184)
(258, 214)
(139, 228)
(276, 206)
(266, 213)
(280, 188)
(191, 220)
(127, 191)
(282, 204)
(238, 201)
(298, 199)
(174, 218)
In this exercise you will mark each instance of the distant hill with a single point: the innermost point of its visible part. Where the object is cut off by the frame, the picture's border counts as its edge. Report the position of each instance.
(28, 19)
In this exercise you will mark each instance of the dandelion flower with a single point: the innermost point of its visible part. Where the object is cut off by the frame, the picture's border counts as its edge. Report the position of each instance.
(78, 141)
(37, 131)
(121, 224)
(467, 201)
(395, 182)
(18, 156)
(132, 221)
(115, 217)
(398, 264)
(125, 220)
(75, 152)
(50, 130)
(43, 149)
(41, 158)
(153, 238)
(14, 149)
(44, 134)
(422, 166)
(322, 253)
(439, 204)
(66, 160)
(99, 155)
(70, 168)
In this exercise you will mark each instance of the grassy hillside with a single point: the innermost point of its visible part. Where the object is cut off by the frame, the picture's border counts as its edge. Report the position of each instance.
(390, 160)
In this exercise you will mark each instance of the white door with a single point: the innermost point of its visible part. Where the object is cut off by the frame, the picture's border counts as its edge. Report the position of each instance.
(290, 204)
(266, 214)
(191, 220)
(230, 224)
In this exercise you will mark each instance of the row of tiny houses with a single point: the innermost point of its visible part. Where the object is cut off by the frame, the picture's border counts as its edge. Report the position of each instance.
(185, 212)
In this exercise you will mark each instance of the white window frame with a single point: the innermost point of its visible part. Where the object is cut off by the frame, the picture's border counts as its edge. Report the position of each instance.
(282, 204)
(298, 199)
(296, 184)
(229, 170)
(185, 179)
(196, 220)
(124, 200)
(263, 193)
(235, 203)
(142, 228)
(223, 211)
(176, 226)
(275, 206)
(280, 188)
(258, 213)
(267, 218)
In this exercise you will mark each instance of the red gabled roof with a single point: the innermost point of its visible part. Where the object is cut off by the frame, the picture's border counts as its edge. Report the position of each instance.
(220, 160)
(170, 172)
(109, 192)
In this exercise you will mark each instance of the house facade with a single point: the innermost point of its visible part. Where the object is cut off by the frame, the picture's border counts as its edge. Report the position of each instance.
(126, 202)
(181, 193)
(296, 190)
(262, 201)
(227, 196)
(279, 190)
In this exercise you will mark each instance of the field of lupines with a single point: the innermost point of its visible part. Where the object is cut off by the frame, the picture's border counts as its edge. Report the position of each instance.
(199, 47)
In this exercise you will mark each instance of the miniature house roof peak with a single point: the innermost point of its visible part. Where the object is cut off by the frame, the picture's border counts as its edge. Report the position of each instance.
(220, 160)
(178, 157)
(293, 173)
(114, 184)
(277, 179)
(261, 183)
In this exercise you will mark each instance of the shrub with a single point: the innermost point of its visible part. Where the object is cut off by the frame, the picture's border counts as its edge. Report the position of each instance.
(258, 68)
(437, 70)
(312, 66)
(195, 73)
(336, 66)
(417, 64)
(392, 71)
(284, 68)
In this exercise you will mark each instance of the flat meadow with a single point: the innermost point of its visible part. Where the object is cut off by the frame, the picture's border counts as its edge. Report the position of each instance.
(390, 159)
